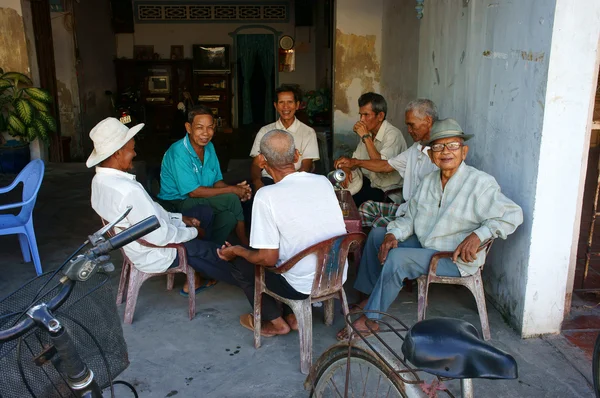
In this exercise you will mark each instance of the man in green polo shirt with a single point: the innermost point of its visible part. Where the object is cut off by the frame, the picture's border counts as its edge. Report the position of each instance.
(191, 175)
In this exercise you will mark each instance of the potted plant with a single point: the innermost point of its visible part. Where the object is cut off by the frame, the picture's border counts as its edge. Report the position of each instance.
(24, 116)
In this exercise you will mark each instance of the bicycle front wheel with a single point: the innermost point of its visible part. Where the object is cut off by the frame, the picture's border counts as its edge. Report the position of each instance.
(368, 377)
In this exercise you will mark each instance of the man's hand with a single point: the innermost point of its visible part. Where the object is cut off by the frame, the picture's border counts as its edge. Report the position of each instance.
(242, 190)
(467, 250)
(190, 221)
(345, 163)
(348, 179)
(227, 252)
(248, 189)
(389, 242)
(361, 129)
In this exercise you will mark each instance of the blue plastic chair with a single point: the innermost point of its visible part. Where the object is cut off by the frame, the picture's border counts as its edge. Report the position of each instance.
(31, 177)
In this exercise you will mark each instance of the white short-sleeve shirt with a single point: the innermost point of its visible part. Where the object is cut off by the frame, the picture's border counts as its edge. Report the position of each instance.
(305, 140)
(293, 214)
(389, 142)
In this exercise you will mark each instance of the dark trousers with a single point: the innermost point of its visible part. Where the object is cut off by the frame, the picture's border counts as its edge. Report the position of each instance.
(243, 272)
(202, 254)
(367, 192)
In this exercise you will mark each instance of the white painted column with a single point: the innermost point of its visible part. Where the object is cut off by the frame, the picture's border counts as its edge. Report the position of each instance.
(564, 146)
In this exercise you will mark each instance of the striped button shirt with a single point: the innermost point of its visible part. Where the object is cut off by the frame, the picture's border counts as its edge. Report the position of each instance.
(442, 218)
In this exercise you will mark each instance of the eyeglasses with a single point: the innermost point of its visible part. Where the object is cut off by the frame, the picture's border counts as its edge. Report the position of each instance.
(452, 146)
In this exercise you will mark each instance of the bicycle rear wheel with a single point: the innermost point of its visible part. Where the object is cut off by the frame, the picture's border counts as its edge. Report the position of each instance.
(369, 377)
(596, 367)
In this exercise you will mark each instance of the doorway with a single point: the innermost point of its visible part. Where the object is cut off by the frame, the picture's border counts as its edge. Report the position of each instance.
(255, 79)
(583, 322)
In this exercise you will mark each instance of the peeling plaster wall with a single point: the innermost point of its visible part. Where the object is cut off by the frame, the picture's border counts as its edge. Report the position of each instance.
(95, 67)
(66, 81)
(399, 59)
(489, 64)
(17, 51)
(13, 46)
(357, 65)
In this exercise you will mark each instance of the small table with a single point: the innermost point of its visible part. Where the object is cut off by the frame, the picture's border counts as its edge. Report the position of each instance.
(352, 221)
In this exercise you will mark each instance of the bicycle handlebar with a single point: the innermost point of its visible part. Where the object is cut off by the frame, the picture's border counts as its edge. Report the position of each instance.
(121, 239)
(27, 324)
(132, 233)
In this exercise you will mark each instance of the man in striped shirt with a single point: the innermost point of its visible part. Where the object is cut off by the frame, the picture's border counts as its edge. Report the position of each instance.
(454, 209)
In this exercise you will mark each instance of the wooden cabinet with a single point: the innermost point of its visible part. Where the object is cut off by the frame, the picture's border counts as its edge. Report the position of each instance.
(214, 91)
(159, 85)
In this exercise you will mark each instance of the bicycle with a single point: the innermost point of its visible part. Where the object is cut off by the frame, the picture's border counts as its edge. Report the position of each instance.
(39, 326)
(441, 349)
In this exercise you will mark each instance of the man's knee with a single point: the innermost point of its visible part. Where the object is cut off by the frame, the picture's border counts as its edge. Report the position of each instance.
(202, 212)
(367, 208)
(242, 270)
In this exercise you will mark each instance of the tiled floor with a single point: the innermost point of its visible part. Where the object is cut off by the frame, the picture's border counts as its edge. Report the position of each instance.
(583, 325)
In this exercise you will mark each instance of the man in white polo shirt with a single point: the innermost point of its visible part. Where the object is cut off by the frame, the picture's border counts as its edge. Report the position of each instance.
(298, 211)
(305, 138)
(379, 140)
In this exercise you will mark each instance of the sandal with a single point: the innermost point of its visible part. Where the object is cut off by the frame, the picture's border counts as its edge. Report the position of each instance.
(247, 321)
(208, 283)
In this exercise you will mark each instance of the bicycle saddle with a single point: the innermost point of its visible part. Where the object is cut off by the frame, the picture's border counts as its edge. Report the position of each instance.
(452, 348)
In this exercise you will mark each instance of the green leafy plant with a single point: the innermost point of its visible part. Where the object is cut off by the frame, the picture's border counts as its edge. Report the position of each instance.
(24, 109)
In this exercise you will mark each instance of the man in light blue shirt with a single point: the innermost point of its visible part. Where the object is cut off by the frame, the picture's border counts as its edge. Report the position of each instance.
(191, 175)
(454, 209)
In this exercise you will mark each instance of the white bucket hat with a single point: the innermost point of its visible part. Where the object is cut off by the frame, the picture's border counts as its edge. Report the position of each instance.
(109, 136)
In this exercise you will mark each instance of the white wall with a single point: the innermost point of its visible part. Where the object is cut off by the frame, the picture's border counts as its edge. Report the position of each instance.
(494, 66)
(357, 63)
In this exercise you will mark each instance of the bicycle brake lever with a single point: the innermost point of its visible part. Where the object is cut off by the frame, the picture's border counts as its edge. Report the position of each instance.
(82, 267)
(98, 236)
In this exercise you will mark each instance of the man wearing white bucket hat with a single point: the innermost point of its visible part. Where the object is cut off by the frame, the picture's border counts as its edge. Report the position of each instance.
(114, 189)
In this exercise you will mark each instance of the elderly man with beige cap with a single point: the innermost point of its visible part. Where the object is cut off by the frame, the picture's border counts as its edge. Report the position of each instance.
(454, 209)
(114, 189)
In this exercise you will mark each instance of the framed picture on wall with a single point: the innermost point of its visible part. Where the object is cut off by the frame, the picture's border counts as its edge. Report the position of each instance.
(176, 52)
(143, 52)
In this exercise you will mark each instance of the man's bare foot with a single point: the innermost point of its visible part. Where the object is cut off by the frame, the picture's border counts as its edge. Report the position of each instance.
(291, 320)
(268, 328)
(361, 325)
(276, 326)
(198, 281)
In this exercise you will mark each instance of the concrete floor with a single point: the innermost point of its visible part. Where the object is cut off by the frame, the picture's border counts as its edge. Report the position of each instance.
(213, 356)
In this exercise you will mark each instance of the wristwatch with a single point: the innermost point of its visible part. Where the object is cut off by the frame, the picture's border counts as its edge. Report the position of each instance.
(365, 137)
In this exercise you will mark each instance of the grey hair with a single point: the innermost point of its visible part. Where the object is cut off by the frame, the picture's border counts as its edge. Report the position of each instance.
(278, 153)
(423, 107)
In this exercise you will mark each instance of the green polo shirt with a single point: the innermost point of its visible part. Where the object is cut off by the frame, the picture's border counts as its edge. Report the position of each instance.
(182, 171)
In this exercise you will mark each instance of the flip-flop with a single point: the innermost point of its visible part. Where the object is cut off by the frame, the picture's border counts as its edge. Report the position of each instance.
(247, 321)
(208, 283)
